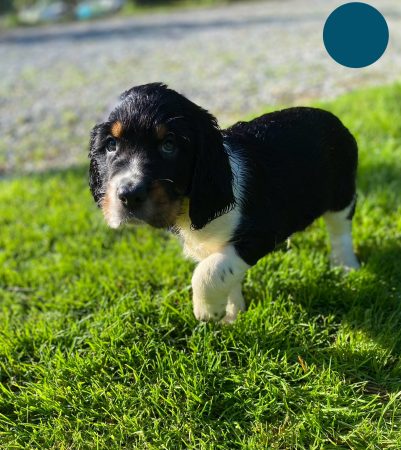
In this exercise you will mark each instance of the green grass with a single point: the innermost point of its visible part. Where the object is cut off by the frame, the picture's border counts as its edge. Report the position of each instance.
(99, 347)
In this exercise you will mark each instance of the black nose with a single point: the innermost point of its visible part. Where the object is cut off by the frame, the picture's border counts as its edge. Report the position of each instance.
(132, 195)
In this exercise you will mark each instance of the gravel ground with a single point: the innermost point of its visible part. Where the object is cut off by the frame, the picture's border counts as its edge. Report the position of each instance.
(56, 81)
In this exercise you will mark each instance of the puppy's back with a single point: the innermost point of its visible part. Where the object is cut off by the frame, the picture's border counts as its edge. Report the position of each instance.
(299, 163)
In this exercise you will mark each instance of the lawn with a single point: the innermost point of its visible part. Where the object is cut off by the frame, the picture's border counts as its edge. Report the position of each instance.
(99, 348)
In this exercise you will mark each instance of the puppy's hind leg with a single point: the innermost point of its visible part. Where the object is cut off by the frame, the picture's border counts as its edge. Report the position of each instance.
(339, 226)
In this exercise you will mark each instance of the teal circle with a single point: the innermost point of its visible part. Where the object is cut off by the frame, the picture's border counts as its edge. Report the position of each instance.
(356, 35)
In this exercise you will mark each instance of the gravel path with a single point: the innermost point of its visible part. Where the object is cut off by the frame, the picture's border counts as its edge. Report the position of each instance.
(235, 60)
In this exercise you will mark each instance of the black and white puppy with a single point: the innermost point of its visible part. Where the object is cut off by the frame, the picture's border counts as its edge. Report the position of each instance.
(232, 195)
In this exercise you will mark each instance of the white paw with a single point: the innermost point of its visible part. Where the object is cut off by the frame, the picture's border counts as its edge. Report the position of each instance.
(235, 305)
(205, 311)
(348, 263)
(231, 316)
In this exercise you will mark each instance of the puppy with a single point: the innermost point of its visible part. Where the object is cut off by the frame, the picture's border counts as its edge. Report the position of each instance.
(231, 195)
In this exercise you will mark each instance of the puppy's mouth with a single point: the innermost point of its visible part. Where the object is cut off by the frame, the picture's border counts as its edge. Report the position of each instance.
(159, 209)
(153, 215)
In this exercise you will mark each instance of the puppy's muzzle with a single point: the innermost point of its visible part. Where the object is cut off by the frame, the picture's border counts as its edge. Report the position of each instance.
(133, 195)
(152, 201)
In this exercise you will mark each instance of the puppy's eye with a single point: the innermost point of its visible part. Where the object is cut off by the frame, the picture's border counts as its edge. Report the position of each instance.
(111, 145)
(168, 147)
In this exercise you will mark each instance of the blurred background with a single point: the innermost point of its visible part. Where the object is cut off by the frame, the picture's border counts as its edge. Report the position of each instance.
(63, 63)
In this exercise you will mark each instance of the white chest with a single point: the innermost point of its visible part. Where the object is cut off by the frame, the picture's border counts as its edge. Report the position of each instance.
(212, 238)
(199, 244)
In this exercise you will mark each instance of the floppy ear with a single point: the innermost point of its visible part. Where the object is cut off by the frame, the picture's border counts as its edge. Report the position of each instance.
(95, 178)
(211, 194)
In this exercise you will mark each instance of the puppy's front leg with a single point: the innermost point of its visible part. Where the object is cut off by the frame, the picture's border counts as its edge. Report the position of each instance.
(215, 279)
(235, 304)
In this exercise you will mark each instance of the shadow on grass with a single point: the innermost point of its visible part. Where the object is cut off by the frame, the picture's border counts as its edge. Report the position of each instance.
(371, 306)
(379, 177)
(366, 302)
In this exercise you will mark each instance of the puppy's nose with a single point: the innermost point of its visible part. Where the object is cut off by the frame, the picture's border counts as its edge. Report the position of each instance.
(132, 195)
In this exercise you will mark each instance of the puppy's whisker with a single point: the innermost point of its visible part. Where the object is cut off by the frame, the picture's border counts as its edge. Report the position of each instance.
(174, 118)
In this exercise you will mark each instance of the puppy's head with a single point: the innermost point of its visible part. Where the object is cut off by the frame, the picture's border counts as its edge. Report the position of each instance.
(156, 149)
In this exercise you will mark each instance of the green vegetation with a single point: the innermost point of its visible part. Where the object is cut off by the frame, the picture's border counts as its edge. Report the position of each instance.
(99, 348)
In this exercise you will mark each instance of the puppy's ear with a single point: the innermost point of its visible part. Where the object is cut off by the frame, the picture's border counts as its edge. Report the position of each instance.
(95, 178)
(211, 194)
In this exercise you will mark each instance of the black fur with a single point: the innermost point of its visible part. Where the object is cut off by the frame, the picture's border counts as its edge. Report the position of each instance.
(202, 171)
(298, 163)
(211, 193)
(97, 167)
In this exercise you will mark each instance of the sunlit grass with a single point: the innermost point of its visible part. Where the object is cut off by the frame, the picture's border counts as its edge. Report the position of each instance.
(99, 347)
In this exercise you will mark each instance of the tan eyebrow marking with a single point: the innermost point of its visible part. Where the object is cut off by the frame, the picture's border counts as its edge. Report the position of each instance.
(116, 129)
(161, 131)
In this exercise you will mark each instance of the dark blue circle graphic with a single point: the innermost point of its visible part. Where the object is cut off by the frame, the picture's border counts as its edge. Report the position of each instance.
(356, 35)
